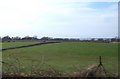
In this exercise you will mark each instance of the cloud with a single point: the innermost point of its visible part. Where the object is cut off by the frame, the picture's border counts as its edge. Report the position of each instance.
(57, 18)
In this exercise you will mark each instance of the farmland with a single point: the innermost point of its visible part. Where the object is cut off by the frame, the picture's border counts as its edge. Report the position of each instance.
(65, 56)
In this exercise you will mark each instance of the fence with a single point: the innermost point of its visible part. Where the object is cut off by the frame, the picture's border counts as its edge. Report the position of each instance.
(30, 45)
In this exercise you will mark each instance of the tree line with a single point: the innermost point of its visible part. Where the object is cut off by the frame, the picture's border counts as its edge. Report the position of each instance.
(13, 39)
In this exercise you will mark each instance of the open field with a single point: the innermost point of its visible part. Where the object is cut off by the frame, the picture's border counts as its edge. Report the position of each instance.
(20, 43)
(66, 56)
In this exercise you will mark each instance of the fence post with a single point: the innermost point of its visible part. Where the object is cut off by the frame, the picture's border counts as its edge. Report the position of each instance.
(100, 62)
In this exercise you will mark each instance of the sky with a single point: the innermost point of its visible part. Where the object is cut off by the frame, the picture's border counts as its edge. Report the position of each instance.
(59, 18)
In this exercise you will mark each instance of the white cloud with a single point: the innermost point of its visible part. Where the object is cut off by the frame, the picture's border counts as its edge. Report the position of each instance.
(56, 17)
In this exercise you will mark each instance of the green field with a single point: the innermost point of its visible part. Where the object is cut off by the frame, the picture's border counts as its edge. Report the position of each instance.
(20, 43)
(65, 56)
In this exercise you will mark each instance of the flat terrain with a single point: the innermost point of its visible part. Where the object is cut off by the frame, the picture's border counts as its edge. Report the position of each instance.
(65, 56)
(20, 43)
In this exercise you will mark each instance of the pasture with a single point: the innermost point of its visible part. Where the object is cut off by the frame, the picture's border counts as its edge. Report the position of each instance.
(65, 56)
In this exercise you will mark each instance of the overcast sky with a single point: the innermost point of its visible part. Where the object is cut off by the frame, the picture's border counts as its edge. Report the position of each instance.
(58, 18)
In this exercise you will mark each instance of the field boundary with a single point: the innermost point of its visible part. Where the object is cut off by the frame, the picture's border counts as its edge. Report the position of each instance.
(30, 45)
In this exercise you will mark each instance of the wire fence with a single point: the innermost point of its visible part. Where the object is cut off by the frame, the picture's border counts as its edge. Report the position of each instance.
(16, 70)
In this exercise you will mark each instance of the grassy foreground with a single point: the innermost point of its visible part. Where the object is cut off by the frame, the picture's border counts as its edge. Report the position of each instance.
(66, 57)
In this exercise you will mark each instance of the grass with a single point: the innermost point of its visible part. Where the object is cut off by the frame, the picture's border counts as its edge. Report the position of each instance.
(17, 43)
(67, 56)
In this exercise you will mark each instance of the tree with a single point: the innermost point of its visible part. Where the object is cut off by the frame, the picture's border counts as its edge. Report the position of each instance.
(6, 38)
(113, 39)
(46, 38)
(100, 40)
(34, 37)
(93, 39)
(27, 38)
(16, 38)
